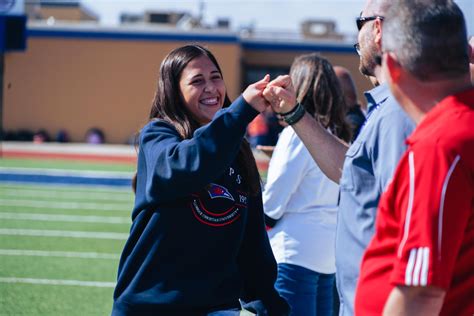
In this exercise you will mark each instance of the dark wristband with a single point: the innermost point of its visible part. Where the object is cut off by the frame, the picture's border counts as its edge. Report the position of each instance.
(294, 115)
(293, 110)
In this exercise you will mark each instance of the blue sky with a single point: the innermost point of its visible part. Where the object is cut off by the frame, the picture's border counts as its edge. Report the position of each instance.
(263, 14)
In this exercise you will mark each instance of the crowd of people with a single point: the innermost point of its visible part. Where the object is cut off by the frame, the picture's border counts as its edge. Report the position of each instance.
(383, 204)
(93, 135)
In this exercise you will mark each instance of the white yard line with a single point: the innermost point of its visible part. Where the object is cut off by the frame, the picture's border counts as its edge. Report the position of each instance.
(62, 233)
(68, 186)
(64, 187)
(58, 282)
(61, 254)
(82, 196)
(67, 205)
(65, 218)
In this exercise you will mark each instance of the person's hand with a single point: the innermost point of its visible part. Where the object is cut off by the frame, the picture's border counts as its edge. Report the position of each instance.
(281, 94)
(253, 95)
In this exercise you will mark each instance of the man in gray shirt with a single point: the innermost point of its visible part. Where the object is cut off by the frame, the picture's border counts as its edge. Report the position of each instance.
(364, 169)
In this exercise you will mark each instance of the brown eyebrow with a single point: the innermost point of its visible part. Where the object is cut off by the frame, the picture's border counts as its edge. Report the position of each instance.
(201, 75)
(196, 76)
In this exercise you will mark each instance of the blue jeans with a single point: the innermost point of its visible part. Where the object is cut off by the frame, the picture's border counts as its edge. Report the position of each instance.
(307, 292)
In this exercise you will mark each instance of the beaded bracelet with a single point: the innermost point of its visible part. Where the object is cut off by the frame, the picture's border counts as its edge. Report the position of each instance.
(294, 115)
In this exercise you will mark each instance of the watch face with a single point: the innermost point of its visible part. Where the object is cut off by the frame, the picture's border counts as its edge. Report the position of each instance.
(6, 5)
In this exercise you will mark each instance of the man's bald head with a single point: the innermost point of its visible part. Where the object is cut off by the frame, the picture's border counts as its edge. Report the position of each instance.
(347, 85)
(377, 7)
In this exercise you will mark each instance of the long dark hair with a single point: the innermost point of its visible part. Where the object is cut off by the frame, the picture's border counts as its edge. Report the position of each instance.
(319, 91)
(168, 105)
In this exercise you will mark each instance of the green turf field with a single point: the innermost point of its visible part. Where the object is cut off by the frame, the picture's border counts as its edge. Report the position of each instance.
(60, 245)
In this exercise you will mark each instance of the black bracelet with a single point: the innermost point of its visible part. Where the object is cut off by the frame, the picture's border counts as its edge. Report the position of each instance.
(291, 111)
(294, 115)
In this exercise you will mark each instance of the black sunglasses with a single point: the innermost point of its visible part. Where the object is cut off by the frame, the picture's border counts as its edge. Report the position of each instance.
(357, 48)
(360, 21)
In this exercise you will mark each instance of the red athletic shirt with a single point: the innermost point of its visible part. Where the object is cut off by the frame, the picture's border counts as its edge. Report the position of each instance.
(425, 223)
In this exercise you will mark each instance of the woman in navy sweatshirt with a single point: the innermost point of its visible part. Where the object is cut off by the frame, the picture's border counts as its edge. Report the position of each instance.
(198, 244)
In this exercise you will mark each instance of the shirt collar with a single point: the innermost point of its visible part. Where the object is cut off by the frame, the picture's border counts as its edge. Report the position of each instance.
(434, 119)
(376, 96)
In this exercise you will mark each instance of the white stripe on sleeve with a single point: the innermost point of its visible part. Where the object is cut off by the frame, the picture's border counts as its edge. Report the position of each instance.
(417, 270)
(409, 268)
(411, 163)
(425, 266)
(441, 204)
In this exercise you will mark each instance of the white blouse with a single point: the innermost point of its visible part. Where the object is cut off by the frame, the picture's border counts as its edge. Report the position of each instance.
(304, 200)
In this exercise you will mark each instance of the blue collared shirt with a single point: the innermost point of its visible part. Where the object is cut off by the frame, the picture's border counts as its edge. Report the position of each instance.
(368, 167)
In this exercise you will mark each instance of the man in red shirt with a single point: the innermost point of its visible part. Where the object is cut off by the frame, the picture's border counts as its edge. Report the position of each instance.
(421, 259)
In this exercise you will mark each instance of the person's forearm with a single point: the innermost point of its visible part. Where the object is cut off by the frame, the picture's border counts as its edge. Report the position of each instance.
(327, 150)
(414, 301)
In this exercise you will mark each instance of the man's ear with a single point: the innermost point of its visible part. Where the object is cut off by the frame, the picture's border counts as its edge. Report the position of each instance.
(393, 67)
(377, 29)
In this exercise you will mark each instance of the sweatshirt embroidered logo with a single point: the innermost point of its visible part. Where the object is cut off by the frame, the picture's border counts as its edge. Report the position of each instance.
(217, 191)
(215, 206)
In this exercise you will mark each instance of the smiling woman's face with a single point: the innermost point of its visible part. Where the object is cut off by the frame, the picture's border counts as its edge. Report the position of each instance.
(202, 89)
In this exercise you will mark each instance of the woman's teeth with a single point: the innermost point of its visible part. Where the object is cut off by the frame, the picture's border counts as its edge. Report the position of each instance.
(210, 101)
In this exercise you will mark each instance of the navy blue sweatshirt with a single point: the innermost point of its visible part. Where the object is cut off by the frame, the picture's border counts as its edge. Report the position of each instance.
(198, 241)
